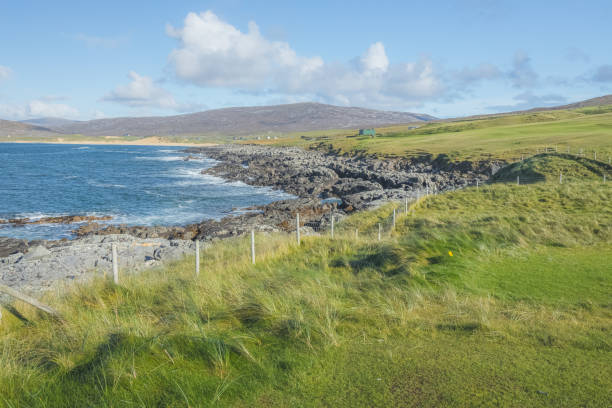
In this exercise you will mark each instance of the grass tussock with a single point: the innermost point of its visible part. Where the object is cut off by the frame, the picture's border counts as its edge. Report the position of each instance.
(519, 315)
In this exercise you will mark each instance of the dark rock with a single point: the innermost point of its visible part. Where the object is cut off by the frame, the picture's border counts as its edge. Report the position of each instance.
(358, 183)
(9, 246)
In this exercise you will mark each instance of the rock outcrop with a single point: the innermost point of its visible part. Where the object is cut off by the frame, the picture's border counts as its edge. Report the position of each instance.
(41, 267)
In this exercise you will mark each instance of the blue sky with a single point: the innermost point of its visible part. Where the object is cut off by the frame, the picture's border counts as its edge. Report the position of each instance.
(84, 60)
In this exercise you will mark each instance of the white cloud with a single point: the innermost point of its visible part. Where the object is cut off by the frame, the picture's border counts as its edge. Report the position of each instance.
(522, 74)
(375, 58)
(142, 92)
(478, 73)
(575, 54)
(603, 74)
(15, 112)
(39, 108)
(5, 72)
(213, 53)
(528, 100)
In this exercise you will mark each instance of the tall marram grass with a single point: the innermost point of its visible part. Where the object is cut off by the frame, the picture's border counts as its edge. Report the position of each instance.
(361, 319)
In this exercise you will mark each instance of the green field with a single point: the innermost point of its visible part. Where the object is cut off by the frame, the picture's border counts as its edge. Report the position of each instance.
(499, 137)
(520, 315)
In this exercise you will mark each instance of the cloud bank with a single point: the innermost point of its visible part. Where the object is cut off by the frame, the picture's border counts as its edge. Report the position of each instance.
(140, 92)
(213, 53)
(38, 108)
(603, 74)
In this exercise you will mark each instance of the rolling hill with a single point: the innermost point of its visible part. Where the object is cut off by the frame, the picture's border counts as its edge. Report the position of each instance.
(49, 122)
(599, 101)
(255, 120)
(243, 121)
(13, 129)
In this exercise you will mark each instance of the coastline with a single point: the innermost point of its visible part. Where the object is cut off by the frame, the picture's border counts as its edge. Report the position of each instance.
(113, 140)
(323, 185)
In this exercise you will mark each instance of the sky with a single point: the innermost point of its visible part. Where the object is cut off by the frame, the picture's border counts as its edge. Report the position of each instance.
(85, 60)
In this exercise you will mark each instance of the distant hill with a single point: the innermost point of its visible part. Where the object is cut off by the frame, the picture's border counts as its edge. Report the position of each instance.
(49, 122)
(18, 129)
(599, 101)
(244, 121)
(240, 121)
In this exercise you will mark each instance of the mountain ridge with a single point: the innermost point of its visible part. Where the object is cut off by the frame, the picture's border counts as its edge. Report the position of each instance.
(237, 121)
(243, 121)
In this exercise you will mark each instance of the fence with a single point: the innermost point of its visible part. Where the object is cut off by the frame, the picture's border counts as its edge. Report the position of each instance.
(603, 155)
(598, 162)
(331, 225)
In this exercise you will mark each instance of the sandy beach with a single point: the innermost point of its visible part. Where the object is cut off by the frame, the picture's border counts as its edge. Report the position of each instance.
(113, 140)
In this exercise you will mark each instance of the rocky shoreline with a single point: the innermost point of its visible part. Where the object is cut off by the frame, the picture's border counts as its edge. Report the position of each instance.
(44, 265)
(322, 183)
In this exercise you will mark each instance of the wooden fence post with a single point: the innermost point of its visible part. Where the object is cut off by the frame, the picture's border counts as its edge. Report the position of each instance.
(560, 178)
(394, 218)
(115, 264)
(297, 227)
(356, 233)
(379, 231)
(27, 299)
(518, 183)
(332, 224)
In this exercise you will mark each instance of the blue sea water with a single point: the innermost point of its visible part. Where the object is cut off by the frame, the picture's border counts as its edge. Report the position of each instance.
(136, 185)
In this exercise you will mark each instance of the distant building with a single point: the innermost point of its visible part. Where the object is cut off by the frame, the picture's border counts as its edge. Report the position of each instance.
(367, 132)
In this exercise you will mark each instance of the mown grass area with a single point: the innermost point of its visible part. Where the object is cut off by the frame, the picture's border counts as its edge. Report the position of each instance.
(519, 315)
(498, 137)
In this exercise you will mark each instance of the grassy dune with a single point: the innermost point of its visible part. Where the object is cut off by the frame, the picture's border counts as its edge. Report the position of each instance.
(554, 168)
(519, 315)
(502, 137)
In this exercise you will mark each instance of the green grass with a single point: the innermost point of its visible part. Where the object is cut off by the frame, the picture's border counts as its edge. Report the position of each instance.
(498, 137)
(520, 315)
(540, 276)
(554, 167)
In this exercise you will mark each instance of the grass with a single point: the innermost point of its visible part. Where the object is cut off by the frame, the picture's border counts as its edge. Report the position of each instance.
(553, 167)
(498, 137)
(520, 315)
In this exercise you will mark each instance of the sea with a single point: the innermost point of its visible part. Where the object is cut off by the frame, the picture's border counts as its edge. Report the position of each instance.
(135, 185)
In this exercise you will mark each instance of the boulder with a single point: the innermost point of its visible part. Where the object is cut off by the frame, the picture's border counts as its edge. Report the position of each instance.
(34, 253)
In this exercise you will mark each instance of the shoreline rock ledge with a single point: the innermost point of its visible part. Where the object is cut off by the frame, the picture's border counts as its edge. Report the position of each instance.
(359, 182)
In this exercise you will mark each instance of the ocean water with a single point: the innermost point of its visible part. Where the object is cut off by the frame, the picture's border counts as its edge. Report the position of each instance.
(136, 185)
